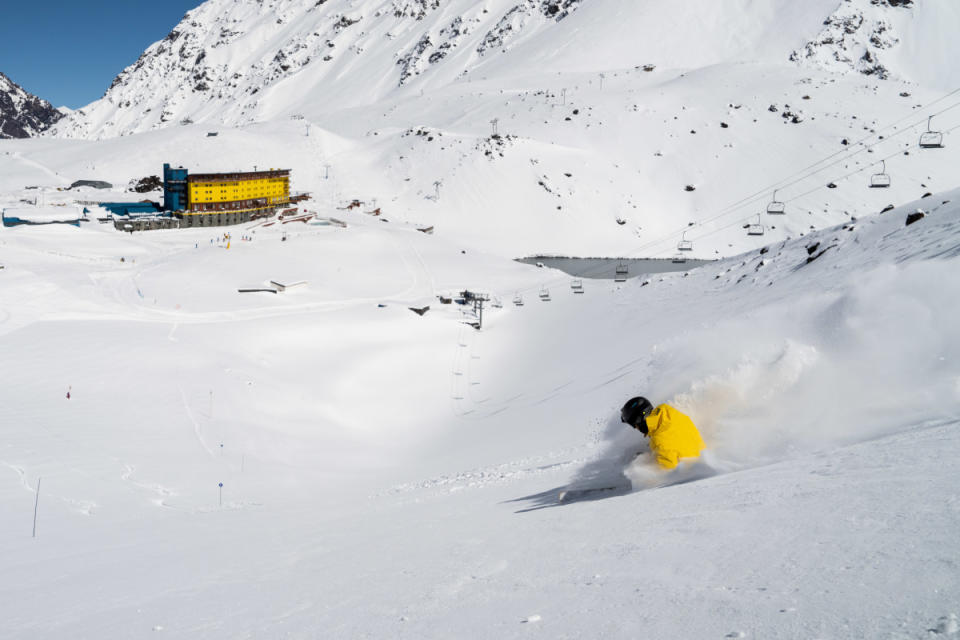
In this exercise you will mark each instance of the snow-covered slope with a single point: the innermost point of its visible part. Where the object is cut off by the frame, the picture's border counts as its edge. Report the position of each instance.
(599, 128)
(23, 115)
(236, 62)
(325, 462)
(387, 474)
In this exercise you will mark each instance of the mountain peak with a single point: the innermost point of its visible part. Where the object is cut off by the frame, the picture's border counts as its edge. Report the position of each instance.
(23, 115)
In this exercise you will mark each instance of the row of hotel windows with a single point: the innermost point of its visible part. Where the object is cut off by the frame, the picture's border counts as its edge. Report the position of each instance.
(234, 185)
(237, 205)
(237, 193)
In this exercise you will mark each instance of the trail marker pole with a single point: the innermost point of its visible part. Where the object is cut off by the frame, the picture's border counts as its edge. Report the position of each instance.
(36, 505)
(220, 485)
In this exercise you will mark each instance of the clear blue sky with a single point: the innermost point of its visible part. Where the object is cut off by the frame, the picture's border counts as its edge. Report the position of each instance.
(69, 51)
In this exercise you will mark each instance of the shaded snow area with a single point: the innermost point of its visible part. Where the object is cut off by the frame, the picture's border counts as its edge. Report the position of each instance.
(387, 474)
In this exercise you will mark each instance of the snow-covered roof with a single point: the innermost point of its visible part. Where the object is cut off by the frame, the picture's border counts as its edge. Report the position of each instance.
(45, 214)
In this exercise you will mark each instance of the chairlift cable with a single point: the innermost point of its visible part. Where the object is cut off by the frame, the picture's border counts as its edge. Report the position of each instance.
(756, 197)
(803, 174)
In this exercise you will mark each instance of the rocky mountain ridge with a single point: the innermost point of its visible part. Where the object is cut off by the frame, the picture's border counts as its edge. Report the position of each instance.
(22, 114)
(219, 60)
(234, 63)
(857, 40)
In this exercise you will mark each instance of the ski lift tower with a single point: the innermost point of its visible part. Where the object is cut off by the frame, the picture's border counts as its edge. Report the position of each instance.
(478, 300)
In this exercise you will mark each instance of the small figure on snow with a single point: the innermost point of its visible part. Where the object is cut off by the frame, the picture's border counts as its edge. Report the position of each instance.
(673, 436)
(68, 392)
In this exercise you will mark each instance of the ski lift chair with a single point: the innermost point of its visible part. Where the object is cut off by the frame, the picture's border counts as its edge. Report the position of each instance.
(620, 275)
(880, 180)
(931, 139)
(756, 229)
(684, 244)
(776, 208)
(577, 286)
(518, 300)
(544, 294)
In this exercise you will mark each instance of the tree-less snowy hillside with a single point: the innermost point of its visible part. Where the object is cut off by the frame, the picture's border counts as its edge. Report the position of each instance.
(387, 474)
(352, 458)
(598, 128)
(229, 62)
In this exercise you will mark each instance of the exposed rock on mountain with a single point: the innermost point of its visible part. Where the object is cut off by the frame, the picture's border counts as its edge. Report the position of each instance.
(236, 62)
(23, 115)
(223, 57)
(856, 37)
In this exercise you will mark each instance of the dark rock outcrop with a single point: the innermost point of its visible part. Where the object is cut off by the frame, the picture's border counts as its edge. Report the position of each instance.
(23, 115)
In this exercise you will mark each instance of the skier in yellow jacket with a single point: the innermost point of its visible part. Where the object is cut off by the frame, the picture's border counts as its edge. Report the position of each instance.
(673, 436)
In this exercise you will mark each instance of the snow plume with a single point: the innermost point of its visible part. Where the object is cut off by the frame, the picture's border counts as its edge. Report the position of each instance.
(862, 345)
(828, 370)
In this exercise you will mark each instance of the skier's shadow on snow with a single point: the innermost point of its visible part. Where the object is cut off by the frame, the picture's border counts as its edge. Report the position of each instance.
(606, 478)
(597, 480)
(570, 494)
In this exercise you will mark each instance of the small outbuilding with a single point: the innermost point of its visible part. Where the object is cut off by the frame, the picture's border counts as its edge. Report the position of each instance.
(283, 286)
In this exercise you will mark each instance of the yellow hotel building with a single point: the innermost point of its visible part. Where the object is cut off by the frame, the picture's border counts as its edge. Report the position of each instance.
(217, 199)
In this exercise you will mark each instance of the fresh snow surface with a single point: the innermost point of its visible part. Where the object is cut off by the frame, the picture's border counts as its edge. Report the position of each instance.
(387, 474)
(391, 475)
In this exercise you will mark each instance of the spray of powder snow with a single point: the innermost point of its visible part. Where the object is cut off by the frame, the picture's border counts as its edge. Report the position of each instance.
(878, 356)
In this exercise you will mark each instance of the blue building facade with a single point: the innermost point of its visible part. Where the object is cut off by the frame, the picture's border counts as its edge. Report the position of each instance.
(174, 188)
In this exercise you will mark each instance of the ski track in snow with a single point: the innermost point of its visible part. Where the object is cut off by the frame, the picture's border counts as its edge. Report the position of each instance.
(505, 473)
(84, 507)
(161, 492)
(21, 474)
(197, 428)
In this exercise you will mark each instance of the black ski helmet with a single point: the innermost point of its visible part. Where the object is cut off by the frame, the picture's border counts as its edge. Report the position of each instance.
(634, 411)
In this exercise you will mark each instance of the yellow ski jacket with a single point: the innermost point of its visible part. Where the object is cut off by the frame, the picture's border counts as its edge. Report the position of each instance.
(673, 436)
